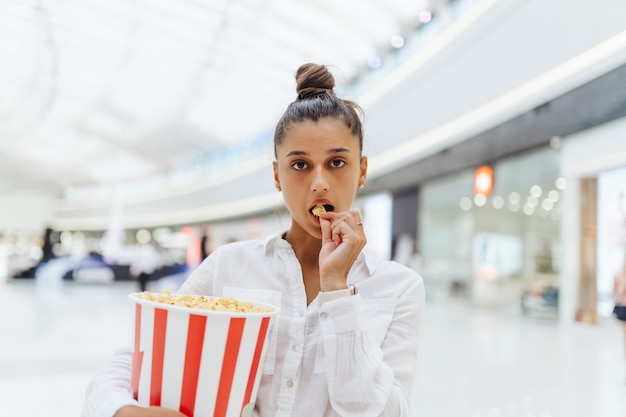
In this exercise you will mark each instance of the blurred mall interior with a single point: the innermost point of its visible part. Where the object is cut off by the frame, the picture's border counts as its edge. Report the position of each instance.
(496, 137)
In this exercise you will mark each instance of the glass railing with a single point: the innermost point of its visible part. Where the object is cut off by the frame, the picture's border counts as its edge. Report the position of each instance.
(212, 164)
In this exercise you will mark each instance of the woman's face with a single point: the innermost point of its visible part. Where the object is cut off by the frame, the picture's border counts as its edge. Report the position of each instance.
(318, 163)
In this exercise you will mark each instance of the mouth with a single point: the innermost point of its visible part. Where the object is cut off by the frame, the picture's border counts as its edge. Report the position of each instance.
(318, 209)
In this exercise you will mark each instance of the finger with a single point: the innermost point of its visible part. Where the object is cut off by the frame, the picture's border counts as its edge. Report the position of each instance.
(353, 221)
(358, 218)
(327, 232)
(331, 216)
(338, 230)
(353, 217)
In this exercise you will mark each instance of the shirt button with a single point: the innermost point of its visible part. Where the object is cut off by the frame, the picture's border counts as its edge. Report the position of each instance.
(289, 383)
(301, 314)
(323, 315)
(294, 348)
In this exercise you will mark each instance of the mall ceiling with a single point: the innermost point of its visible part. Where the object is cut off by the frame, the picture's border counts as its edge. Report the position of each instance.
(101, 91)
(594, 103)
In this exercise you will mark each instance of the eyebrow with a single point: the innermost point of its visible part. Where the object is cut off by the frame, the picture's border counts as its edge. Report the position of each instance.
(328, 152)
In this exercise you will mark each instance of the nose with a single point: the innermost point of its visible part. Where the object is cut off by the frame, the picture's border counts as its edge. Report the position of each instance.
(320, 182)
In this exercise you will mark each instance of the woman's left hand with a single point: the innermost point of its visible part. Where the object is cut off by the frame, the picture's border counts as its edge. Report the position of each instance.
(343, 238)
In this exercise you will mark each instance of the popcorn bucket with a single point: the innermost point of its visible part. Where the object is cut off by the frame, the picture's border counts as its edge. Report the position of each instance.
(203, 363)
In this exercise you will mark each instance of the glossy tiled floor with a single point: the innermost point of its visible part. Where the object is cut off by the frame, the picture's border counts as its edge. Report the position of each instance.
(473, 363)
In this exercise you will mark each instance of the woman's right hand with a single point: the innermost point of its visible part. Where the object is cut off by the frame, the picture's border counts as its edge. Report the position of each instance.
(136, 411)
(343, 238)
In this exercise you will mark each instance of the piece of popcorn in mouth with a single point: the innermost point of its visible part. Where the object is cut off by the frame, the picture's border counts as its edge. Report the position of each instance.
(318, 209)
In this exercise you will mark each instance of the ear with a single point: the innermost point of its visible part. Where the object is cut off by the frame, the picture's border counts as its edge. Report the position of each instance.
(363, 171)
(276, 180)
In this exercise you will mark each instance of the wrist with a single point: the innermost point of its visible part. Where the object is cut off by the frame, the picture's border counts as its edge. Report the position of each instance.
(333, 284)
(325, 296)
(331, 287)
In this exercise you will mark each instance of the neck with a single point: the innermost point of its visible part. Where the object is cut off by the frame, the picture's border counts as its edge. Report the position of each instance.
(306, 247)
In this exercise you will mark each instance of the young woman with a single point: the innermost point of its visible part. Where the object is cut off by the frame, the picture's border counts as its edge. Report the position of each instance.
(346, 340)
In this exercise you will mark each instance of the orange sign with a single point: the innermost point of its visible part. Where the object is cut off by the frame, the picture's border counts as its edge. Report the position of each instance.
(483, 180)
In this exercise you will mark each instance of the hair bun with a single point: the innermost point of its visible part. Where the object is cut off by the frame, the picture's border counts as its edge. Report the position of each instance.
(313, 80)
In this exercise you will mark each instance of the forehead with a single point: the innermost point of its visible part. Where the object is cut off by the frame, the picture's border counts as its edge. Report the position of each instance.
(320, 135)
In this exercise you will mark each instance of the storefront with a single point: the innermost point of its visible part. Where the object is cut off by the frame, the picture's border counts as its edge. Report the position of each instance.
(500, 248)
(611, 234)
(595, 157)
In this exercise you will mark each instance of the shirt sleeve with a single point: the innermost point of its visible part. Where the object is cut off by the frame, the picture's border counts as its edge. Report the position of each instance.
(110, 389)
(200, 282)
(366, 378)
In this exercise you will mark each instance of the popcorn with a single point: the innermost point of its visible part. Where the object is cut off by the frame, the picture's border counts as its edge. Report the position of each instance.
(318, 209)
(204, 302)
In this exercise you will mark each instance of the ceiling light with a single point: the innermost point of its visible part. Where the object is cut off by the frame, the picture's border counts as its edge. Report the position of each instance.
(528, 209)
(547, 204)
(553, 195)
(536, 191)
(374, 62)
(497, 202)
(556, 142)
(425, 16)
(466, 203)
(397, 41)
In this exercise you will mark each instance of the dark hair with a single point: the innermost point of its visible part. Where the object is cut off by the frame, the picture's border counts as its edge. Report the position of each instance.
(316, 99)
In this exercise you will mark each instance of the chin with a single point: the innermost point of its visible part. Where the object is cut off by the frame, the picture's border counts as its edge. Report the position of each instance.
(316, 233)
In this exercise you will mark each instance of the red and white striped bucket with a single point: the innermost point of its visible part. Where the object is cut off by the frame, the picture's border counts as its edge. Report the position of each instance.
(202, 363)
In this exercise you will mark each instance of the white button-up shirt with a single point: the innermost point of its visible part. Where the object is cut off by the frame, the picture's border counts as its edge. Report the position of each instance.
(353, 356)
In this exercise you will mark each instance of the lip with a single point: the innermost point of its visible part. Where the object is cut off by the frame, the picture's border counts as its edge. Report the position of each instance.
(314, 218)
(325, 203)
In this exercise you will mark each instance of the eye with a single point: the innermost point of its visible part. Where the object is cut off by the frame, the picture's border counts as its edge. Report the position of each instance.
(337, 163)
(299, 165)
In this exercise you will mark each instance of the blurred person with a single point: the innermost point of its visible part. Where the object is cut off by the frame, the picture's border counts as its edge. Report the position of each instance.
(347, 335)
(50, 250)
(205, 242)
(619, 294)
(50, 238)
(146, 261)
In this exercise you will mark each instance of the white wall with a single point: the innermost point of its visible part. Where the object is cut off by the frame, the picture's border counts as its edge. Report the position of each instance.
(587, 153)
(28, 211)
